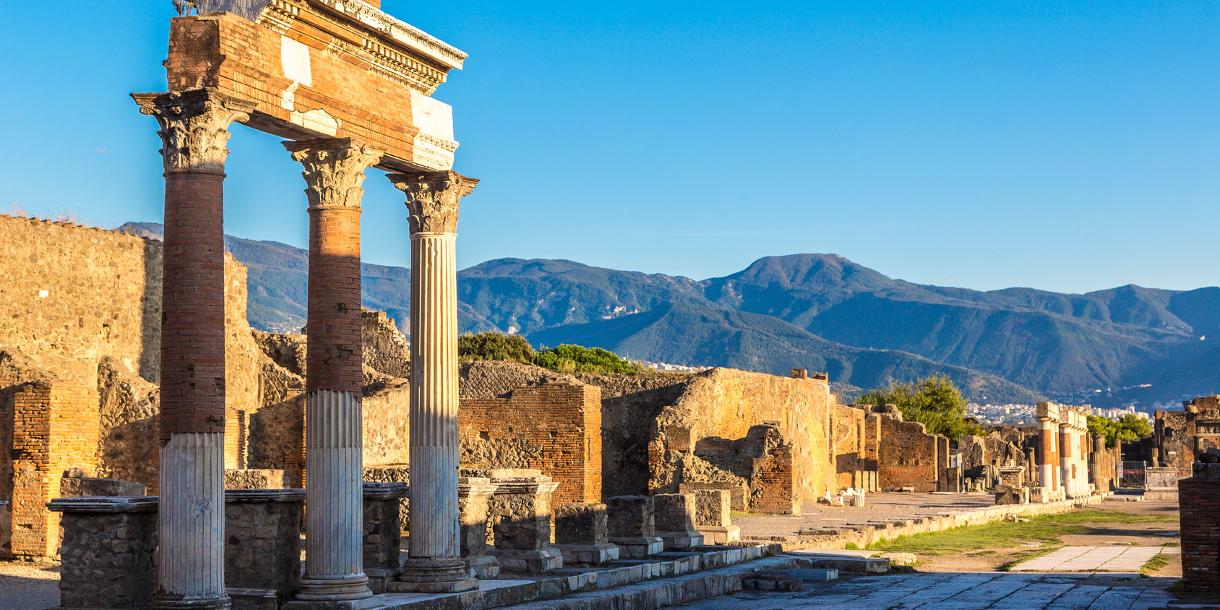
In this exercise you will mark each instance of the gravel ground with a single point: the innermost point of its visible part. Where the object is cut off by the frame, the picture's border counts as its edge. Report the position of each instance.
(28, 586)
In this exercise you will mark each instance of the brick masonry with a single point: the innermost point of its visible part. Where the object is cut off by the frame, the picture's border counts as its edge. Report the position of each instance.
(555, 428)
(1200, 526)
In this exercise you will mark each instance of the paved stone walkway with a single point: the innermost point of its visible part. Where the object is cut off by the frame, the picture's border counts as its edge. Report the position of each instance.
(1094, 559)
(952, 591)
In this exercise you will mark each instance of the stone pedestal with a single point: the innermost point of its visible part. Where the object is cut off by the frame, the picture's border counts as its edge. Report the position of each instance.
(107, 554)
(631, 520)
(382, 538)
(435, 564)
(1013, 476)
(674, 520)
(474, 496)
(739, 495)
(262, 546)
(1007, 494)
(520, 511)
(582, 534)
(713, 516)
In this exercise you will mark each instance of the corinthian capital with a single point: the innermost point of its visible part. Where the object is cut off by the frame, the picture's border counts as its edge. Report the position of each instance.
(433, 199)
(333, 170)
(194, 127)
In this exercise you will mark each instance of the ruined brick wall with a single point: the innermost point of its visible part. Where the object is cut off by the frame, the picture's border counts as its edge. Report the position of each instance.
(630, 403)
(386, 424)
(1200, 526)
(555, 428)
(1173, 433)
(848, 446)
(80, 295)
(908, 455)
(726, 403)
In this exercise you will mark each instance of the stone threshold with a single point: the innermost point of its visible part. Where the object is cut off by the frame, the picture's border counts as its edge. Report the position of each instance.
(504, 592)
(863, 534)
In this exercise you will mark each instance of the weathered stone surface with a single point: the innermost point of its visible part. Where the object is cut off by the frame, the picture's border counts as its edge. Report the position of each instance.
(75, 484)
(1007, 494)
(632, 524)
(520, 513)
(382, 538)
(712, 508)
(675, 521)
(257, 478)
(263, 540)
(108, 552)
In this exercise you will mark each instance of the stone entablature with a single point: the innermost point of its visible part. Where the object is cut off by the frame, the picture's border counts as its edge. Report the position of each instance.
(323, 68)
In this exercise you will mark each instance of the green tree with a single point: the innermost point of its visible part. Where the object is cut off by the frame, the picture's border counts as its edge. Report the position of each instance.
(1129, 427)
(578, 359)
(933, 401)
(495, 346)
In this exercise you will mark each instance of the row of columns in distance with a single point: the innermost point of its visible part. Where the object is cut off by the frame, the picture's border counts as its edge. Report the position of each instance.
(1063, 447)
(195, 131)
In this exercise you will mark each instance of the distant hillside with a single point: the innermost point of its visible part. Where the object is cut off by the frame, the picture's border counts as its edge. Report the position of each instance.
(816, 311)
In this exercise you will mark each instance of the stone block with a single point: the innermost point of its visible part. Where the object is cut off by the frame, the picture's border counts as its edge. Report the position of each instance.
(739, 494)
(713, 508)
(474, 496)
(382, 538)
(1007, 494)
(107, 554)
(520, 514)
(632, 525)
(263, 542)
(76, 484)
(581, 524)
(258, 478)
(674, 520)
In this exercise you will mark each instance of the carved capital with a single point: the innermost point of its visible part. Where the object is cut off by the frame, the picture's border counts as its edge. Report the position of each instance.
(194, 127)
(333, 170)
(434, 199)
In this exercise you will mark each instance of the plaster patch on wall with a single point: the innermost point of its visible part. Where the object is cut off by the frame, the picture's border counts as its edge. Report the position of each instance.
(431, 116)
(316, 120)
(288, 99)
(294, 58)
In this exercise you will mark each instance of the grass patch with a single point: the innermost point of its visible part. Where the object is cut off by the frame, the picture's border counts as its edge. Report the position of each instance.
(1152, 565)
(1040, 531)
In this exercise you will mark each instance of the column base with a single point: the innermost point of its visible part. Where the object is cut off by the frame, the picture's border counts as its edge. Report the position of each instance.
(335, 589)
(161, 602)
(446, 575)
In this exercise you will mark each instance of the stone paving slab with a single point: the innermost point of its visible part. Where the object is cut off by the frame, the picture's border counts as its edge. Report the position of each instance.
(973, 591)
(1093, 559)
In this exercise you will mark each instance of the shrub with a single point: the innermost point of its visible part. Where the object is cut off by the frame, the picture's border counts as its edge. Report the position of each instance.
(495, 346)
(577, 359)
(933, 401)
(1127, 428)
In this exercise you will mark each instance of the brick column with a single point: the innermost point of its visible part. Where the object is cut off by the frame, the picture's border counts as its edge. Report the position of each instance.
(334, 551)
(195, 134)
(435, 564)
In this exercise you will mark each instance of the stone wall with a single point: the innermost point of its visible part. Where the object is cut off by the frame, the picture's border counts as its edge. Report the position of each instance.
(1182, 436)
(908, 455)
(726, 403)
(555, 428)
(848, 438)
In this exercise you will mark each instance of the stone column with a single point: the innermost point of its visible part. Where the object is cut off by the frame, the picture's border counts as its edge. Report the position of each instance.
(334, 500)
(1047, 438)
(1066, 453)
(435, 563)
(195, 134)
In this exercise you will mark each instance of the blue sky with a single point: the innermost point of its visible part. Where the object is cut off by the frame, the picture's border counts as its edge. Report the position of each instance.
(1062, 145)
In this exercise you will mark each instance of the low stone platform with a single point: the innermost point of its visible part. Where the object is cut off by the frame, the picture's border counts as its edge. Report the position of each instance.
(721, 569)
(890, 515)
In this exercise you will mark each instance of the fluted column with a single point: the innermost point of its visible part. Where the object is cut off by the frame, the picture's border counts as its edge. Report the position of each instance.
(190, 522)
(334, 552)
(434, 563)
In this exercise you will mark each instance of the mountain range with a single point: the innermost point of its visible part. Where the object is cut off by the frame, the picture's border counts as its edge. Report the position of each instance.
(815, 311)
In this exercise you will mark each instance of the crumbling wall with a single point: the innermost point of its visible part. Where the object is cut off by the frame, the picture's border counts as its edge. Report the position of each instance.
(555, 428)
(908, 456)
(128, 413)
(726, 403)
(848, 438)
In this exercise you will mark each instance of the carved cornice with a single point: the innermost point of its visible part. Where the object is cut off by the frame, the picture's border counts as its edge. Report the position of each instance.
(194, 127)
(400, 32)
(434, 199)
(333, 170)
(403, 68)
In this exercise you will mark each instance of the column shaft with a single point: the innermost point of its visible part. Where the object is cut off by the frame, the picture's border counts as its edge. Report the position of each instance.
(435, 563)
(1065, 459)
(334, 495)
(1049, 460)
(190, 519)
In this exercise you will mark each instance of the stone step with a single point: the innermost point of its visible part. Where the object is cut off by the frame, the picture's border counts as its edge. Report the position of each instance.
(724, 567)
(666, 592)
(846, 562)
